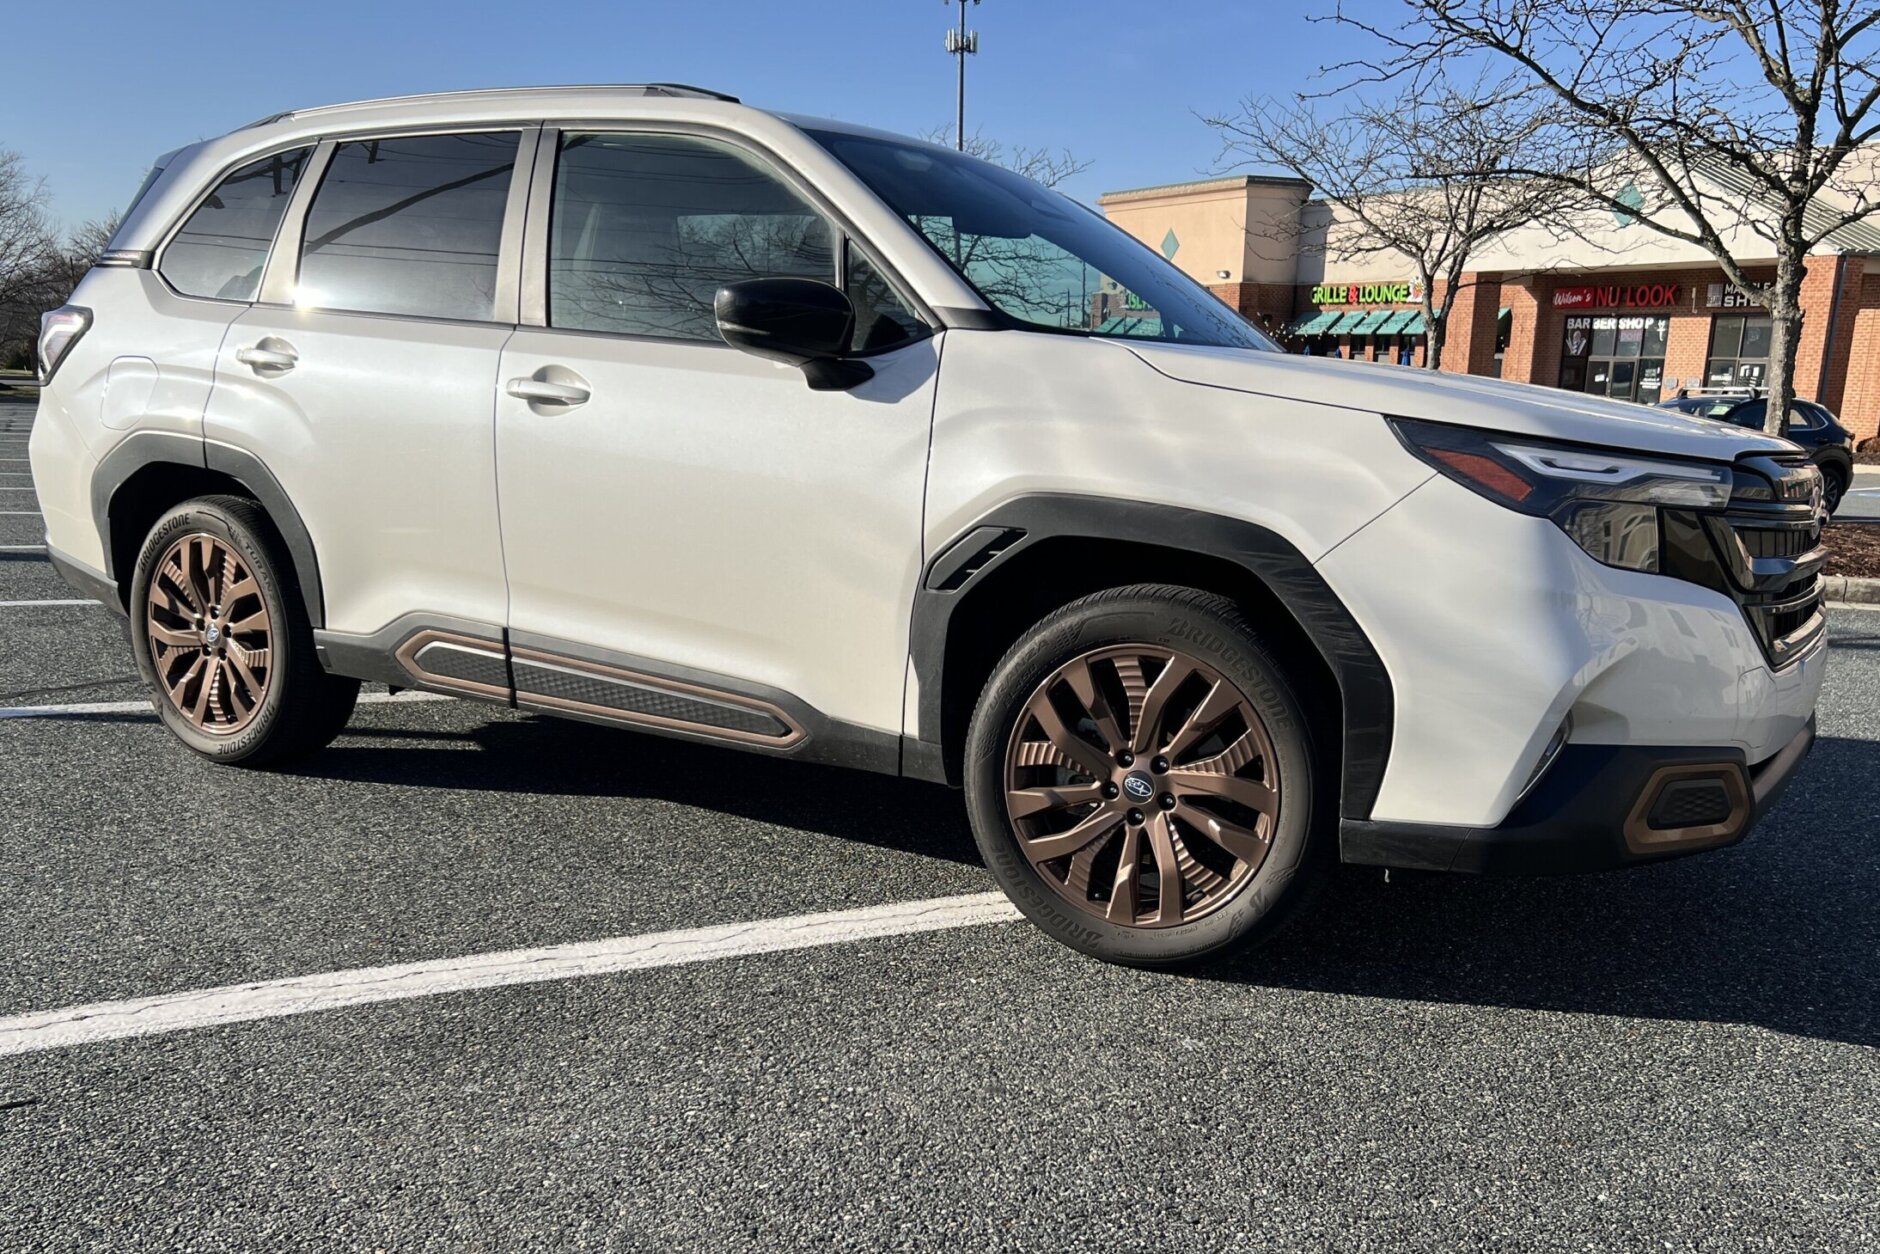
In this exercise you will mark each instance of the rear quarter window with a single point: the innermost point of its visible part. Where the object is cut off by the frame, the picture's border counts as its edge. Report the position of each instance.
(224, 244)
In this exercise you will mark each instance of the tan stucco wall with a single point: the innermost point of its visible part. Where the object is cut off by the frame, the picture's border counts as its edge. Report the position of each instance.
(1261, 232)
(1230, 230)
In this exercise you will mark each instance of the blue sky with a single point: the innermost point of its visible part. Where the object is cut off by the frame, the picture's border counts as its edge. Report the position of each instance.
(1116, 83)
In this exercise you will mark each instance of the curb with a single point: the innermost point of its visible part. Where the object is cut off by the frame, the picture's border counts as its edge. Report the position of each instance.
(1850, 590)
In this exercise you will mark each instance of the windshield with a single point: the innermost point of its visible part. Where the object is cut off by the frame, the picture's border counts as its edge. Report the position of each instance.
(1038, 256)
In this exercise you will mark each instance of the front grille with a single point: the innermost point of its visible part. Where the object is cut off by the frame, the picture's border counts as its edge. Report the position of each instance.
(1770, 545)
(1762, 541)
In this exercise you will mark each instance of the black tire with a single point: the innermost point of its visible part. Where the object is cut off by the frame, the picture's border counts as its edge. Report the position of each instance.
(1834, 483)
(1197, 626)
(302, 707)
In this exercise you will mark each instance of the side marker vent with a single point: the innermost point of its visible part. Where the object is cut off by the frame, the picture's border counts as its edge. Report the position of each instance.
(975, 551)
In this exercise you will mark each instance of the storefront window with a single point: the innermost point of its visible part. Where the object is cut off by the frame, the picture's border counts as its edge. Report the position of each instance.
(1739, 351)
(1620, 357)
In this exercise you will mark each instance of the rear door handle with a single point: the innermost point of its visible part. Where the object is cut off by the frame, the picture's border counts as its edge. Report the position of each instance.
(541, 391)
(269, 355)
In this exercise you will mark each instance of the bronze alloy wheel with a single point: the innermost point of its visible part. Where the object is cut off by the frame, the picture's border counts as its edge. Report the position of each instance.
(211, 638)
(1143, 785)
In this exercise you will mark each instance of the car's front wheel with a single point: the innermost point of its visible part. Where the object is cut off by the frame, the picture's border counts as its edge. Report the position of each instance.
(223, 640)
(1140, 778)
(1833, 488)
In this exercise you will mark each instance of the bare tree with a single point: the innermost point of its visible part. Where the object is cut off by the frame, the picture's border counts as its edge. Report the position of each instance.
(1732, 125)
(27, 247)
(1418, 174)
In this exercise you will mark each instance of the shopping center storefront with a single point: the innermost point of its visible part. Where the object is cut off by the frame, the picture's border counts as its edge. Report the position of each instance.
(1362, 322)
(1534, 310)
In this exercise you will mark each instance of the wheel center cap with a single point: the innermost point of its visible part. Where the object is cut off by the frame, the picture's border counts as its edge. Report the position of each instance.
(213, 635)
(1138, 786)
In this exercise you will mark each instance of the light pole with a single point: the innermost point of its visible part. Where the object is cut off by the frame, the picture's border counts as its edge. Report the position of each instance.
(961, 44)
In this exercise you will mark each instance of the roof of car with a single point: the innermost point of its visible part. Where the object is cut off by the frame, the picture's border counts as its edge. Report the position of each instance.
(188, 167)
(472, 99)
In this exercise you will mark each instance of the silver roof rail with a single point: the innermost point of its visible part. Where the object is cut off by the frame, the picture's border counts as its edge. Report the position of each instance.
(645, 89)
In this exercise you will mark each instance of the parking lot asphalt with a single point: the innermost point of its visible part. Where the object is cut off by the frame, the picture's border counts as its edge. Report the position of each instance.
(1863, 496)
(1680, 1057)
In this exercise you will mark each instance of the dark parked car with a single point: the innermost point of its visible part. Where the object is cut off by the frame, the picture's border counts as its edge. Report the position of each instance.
(1829, 444)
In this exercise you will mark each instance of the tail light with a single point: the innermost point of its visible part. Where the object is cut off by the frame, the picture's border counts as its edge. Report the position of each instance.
(58, 331)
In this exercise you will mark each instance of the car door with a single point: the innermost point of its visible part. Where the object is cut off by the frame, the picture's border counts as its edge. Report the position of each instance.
(672, 506)
(364, 379)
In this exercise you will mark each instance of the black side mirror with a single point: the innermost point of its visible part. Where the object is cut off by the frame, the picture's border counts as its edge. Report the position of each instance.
(800, 321)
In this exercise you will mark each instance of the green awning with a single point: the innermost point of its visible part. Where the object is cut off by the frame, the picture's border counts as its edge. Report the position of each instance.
(1394, 325)
(1347, 322)
(1314, 323)
(1415, 325)
(1369, 324)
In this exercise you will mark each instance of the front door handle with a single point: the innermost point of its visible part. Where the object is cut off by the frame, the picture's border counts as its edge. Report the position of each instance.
(543, 392)
(270, 356)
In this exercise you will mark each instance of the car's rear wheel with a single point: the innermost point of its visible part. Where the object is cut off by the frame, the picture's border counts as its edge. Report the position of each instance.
(1140, 778)
(224, 641)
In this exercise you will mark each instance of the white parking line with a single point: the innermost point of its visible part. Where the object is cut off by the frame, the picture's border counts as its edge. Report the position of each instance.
(273, 999)
(144, 707)
(22, 548)
(25, 605)
(20, 513)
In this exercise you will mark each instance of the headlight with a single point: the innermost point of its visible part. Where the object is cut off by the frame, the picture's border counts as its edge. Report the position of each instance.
(1607, 500)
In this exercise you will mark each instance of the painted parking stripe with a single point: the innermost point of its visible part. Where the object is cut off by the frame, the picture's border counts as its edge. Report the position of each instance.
(20, 513)
(81, 709)
(28, 605)
(273, 999)
(22, 548)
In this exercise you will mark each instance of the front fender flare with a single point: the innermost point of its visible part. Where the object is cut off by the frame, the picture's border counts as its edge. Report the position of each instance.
(986, 544)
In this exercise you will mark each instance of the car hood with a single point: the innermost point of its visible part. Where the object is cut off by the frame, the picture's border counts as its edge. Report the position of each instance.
(1463, 400)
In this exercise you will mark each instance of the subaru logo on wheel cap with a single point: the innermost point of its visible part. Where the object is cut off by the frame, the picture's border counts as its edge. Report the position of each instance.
(212, 635)
(1139, 786)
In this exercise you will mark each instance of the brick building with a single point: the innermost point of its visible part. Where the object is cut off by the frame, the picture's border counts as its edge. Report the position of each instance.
(1616, 309)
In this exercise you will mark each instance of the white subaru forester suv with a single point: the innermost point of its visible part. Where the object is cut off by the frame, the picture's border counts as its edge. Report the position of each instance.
(645, 407)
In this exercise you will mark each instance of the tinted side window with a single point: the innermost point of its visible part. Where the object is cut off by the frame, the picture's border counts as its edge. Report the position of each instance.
(881, 319)
(644, 229)
(221, 249)
(409, 226)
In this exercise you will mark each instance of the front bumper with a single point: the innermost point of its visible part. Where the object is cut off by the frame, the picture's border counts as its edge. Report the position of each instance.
(1497, 629)
(1586, 814)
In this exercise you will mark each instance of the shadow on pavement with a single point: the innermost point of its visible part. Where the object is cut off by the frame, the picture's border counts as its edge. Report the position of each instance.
(1782, 932)
(555, 757)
